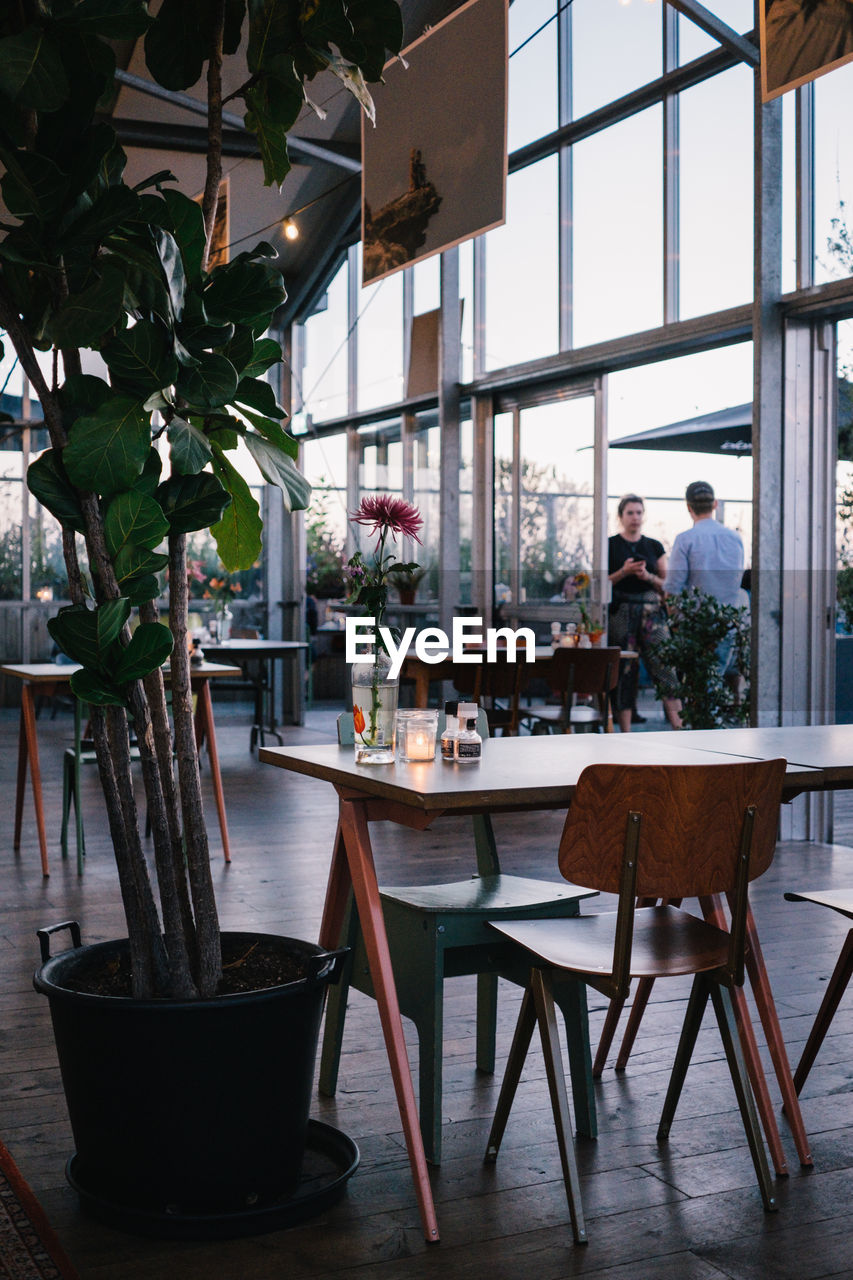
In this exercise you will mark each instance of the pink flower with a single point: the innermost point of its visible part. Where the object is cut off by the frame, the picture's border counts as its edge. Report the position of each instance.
(389, 515)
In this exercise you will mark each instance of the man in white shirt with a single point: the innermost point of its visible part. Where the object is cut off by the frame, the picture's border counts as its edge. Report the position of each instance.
(709, 557)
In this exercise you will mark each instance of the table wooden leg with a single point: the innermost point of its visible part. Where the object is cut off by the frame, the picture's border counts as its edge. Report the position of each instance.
(356, 841)
(337, 895)
(22, 778)
(28, 727)
(778, 1053)
(205, 718)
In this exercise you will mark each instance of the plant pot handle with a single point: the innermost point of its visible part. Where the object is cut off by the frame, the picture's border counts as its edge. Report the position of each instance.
(43, 936)
(327, 966)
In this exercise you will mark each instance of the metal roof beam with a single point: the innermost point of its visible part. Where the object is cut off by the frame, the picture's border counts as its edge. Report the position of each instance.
(298, 146)
(718, 30)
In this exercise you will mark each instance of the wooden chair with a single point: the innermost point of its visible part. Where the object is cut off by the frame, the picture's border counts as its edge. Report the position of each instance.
(840, 900)
(439, 931)
(656, 831)
(573, 673)
(497, 688)
(255, 681)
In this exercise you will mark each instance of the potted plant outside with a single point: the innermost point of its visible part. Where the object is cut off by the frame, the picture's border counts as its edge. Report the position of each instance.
(407, 580)
(698, 625)
(90, 267)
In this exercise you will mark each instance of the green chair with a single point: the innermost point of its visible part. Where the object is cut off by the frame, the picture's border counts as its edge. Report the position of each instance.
(440, 931)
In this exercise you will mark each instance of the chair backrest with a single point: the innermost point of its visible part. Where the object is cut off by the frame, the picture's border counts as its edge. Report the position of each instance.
(690, 828)
(245, 633)
(582, 671)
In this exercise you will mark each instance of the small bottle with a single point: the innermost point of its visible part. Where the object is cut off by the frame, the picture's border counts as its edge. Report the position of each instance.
(469, 744)
(555, 634)
(448, 738)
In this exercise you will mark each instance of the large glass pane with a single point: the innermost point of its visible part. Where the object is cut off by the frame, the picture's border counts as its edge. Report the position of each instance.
(833, 175)
(692, 40)
(324, 463)
(48, 579)
(466, 508)
(11, 577)
(380, 342)
(427, 284)
(532, 108)
(556, 494)
(616, 47)
(716, 193)
(656, 395)
(522, 287)
(324, 376)
(618, 230)
(466, 293)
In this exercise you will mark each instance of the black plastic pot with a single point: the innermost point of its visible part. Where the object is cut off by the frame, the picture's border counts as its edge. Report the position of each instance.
(186, 1110)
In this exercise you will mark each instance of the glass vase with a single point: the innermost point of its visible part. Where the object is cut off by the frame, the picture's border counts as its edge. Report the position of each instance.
(224, 619)
(374, 709)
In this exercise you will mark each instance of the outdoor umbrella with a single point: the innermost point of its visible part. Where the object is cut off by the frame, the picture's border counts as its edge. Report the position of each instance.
(726, 431)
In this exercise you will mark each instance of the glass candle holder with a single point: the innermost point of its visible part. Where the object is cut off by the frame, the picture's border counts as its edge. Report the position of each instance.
(416, 734)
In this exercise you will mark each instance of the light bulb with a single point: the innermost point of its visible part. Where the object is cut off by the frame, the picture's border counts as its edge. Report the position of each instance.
(290, 229)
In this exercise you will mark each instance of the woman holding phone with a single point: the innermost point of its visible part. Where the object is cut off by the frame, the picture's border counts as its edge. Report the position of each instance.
(637, 570)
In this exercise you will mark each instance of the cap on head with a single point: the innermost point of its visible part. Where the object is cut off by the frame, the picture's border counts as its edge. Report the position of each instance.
(698, 491)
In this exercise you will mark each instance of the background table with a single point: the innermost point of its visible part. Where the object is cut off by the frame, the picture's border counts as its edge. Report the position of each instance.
(267, 652)
(48, 678)
(514, 774)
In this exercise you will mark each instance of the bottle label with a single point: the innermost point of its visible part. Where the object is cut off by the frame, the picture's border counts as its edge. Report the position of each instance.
(468, 750)
(447, 748)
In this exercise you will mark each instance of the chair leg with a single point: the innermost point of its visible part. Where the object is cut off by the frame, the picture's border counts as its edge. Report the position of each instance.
(645, 987)
(67, 791)
(837, 985)
(336, 1009)
(570, 997)
(544, 1003)
(611, 1022)
(515, 1063)
(684, 1052)
(430, 1029)
(487, 1017)
(724, 1010)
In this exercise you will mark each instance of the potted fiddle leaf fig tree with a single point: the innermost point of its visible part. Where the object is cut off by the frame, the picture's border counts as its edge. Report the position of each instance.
(150, 370)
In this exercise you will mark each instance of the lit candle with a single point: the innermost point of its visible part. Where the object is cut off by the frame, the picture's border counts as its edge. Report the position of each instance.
(420, 743)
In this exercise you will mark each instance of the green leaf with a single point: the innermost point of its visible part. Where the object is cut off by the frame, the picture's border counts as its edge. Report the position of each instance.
(192, 502)
(188, 226)
(98, 690)
(240, 348)
(31, 70)
(271, 431)
(133, 519)
(243, 291)
(136, 562)
(140, 360)
(378, 26)
(271, 138)
(190, 448)
(210, 384)
(259, 395)
(140, 590)
(112, 19)
(86, 635)
(150, 646)
(48, 482)
(116, 206)
(278, 469)
(150, 477)
(173, 268)
(82, 393)
(238, 533)
(107, 449)
(32, 184)
(85, 317)
(174, 50)
(265, 354)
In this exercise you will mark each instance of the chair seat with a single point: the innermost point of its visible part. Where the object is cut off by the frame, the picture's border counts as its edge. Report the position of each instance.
(667, 942)
(485, 893)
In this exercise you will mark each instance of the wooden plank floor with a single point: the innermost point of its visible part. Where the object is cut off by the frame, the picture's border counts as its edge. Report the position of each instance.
(688, 1210)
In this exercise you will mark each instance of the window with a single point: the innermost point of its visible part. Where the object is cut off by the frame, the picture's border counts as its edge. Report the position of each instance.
(618, 230)
(833, 176)
(380, 342)
(522, 284)
(324, 374)
(532, 108)
(616, 47)
(716, 193)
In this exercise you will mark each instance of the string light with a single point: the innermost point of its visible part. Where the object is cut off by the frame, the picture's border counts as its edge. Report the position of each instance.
(290, 229)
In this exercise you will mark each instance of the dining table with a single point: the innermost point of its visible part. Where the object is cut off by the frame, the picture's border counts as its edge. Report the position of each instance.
(266, 653)
(47, 679)
(526, 774)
